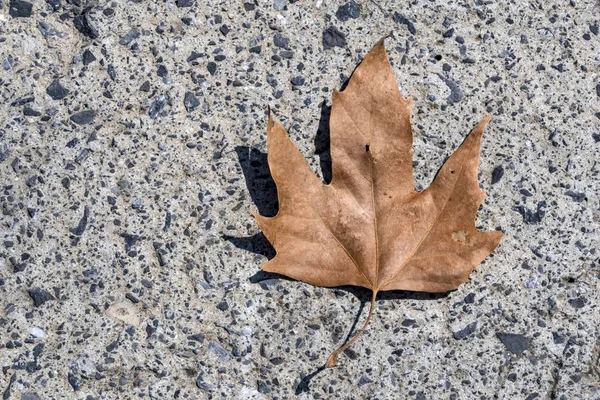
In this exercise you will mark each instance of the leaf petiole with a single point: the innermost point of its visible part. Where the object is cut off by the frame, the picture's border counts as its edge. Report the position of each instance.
(332, 360)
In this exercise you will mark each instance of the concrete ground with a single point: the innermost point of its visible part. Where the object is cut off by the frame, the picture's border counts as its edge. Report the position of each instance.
(132, 147)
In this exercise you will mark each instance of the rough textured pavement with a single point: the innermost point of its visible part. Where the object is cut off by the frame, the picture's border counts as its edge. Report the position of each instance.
(132, 147)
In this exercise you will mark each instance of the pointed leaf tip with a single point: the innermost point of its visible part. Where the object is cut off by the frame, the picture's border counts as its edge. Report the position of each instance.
(485, 121)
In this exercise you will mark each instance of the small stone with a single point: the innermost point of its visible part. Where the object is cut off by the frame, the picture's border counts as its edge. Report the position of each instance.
(157, 106)
(162, 71)
(530, 217)
(217, 349)
(131, 297)
(456, 94)
(83, 117)
(224, 30)
(129, 37)
(56, 91)
(84, 24)
(145, 87)
(184, 3)
(466, 331)
(598, 90)
(130, 241)
(364, 380)
(497, 174)
(351, 354)
(449, 33)
(40, 296)
(88, 57)
(74, 381)
(333, 37)
(54, 4)
(4, 152)
(37, 332)
(515, 343)
(347, 11)
(269, 284)
(30, 112)
(279, 5)
(48, 31)
(470, 298)
(262, 387)
(151, 329)
(558, 338)
(22, 101)
(193, 56)
(198, 337)
(280, 41)
(402, 20)
(298, 80)
(212, 68)
(190, 101)
(255, 49)
(19, 9)
(207, 387)
(577, 303)
(577, 197)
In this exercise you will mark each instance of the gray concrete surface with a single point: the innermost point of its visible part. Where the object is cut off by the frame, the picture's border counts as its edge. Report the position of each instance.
(132, 147)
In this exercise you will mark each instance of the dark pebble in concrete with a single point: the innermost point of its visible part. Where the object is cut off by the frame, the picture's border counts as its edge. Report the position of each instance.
(497, 174)
(190, 101)
(515, 343)
(466, 331)
(19, 9)
(40, 296)
(83, 117)
(402, 20)
(56, 91)
(347, 11)
(333, 37)
(84, 24)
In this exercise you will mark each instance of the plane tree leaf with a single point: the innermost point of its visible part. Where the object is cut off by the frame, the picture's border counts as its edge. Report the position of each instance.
(369, 227)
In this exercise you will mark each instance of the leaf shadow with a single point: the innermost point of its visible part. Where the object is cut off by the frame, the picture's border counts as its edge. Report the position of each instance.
(259, 181)
(262, 276)
(322, 143)
(257, 244)
(263, 193)
(261, 185)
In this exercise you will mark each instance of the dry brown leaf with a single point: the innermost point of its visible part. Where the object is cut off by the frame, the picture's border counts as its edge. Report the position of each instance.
(369, 227)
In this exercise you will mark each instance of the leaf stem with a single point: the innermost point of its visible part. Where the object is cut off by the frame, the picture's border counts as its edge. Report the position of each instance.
(332, 360)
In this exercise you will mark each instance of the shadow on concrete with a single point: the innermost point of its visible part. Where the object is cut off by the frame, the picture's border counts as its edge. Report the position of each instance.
(261, 185)
(257, 244)
(322, 142)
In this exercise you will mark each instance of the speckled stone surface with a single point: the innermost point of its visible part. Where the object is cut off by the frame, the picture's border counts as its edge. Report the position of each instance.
(132, 147)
